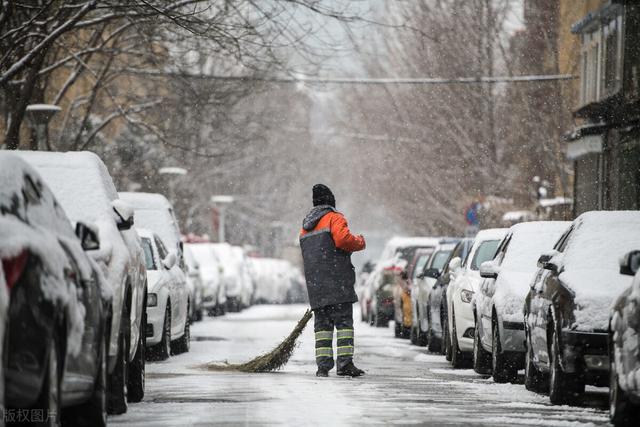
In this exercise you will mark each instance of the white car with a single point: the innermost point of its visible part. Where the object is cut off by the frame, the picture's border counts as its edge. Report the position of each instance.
(82, 185)
(428, 268)
(213, 293)
(464, 284)
(154, 212)
(272, 280)
(499, 306)
(231, 274)
(168, 330)
(244, 273)
(194, 284)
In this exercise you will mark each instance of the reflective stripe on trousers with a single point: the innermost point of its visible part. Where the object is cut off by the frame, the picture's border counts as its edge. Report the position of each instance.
(345, 342)
(324, 341)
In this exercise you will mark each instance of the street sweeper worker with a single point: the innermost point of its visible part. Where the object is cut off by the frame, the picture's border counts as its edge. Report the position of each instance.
(327, 244)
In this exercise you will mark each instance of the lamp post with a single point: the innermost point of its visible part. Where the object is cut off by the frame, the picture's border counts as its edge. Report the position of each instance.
(172, 172)
(220, 203)
(38, 117)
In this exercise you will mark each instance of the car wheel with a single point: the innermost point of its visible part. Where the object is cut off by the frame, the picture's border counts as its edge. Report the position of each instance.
(137, 367)
(458, 361)
(162, 350)
(622, 412)
(397, 329)
(94, 411)
(49, 400)
(502, 370)
(534, 380)
(118, 378)
(380, 320)
(447, 341)
(422, 336)
(481, 357)
(199, 315)
(183, 344)
(563, 387)
(413, 335)
(433, 342)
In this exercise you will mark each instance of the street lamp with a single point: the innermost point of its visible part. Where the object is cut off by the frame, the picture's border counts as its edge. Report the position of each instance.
(172, 172)
(220, 203)
(38, 117)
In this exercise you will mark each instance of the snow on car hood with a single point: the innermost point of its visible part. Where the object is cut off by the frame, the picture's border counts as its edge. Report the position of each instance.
(595, 291)
(511, 290)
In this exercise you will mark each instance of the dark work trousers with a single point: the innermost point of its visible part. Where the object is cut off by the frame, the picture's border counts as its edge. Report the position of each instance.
(340, 317)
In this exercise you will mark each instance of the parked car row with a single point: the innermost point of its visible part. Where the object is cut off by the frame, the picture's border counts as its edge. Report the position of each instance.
(556, 299)
(86, 296)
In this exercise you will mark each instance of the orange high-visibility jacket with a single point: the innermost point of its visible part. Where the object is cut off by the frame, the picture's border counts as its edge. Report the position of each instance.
(342, 237)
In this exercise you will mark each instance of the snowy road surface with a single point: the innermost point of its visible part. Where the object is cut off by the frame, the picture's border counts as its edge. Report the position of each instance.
(404, 384)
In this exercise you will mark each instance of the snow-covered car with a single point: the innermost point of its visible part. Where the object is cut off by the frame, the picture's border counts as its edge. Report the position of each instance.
(245, 277)
(54, 303)
(385, 283)
(437, 302)
(465, 283)
(361, 287)
(297, 293)
(425, 276)
(498, 346)
(168, 325)
(624, 358)
(402, 267)
(194, 284)
(213, 290)
(83, 187)
(272, 280)
(231, 274)
(154, 212)
(567, 308)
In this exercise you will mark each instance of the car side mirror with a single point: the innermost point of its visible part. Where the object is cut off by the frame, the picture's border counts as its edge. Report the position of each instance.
(88, 237)
(455, 263)
(170, 260)
(489, 270)
(629, 263)
(124, 214)
(545, 261)
(432, 273)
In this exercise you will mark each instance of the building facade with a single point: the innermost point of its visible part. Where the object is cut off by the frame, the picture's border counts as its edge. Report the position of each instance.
(604, 144)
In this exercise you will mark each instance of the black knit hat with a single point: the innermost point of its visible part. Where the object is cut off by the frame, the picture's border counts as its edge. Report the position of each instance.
(323, 196)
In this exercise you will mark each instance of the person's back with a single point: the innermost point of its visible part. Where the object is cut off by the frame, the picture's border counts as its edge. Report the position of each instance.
(327, 244)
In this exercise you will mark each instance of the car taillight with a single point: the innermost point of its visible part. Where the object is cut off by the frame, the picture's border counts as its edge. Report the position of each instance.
(393, 268)
(13, 268)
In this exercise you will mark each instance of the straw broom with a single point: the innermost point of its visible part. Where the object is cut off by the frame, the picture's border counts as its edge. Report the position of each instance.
(271, 361)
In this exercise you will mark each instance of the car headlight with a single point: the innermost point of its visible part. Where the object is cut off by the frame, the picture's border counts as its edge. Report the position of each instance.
(152, 300)
(466, 296)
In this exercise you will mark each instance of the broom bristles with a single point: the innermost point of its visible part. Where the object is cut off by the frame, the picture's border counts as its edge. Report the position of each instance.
(271, 361)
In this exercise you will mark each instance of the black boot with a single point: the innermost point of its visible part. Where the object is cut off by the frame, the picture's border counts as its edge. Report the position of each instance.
(322, 372)
(350, 370)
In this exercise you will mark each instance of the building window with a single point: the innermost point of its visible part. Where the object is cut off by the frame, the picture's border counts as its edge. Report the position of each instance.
(602, 47)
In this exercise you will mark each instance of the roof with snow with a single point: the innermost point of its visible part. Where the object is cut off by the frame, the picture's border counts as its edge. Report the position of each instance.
(79, 180)
(155, 212)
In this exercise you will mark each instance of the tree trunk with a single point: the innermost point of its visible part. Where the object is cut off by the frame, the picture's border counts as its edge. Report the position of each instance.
(23, 97)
